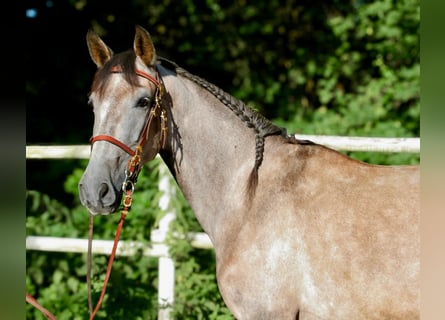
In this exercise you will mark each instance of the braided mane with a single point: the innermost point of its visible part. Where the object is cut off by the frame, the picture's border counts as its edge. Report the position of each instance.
(253, 119)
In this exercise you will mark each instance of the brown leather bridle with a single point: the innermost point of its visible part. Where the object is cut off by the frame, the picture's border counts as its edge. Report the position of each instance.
(155, 111)
(131, 173)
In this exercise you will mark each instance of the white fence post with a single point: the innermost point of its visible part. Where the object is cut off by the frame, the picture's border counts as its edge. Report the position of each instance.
(166, 267)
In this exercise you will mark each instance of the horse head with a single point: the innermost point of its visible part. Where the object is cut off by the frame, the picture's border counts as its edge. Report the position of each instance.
(129, 120)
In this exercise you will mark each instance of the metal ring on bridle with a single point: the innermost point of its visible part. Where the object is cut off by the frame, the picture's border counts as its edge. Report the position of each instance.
(128, 185)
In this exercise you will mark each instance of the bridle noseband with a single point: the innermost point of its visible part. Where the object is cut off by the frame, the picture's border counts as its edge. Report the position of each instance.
(156, 110)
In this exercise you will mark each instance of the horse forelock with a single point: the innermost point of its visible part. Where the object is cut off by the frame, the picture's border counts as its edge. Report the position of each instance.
(125, 61)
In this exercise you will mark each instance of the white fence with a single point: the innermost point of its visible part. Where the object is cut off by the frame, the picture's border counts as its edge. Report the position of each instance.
(159, 249)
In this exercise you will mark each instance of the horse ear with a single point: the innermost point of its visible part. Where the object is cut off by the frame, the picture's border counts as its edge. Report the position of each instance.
(99, 51)
(143, 46)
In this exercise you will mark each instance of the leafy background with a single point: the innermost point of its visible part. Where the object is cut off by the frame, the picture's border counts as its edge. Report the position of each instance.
(314, 67)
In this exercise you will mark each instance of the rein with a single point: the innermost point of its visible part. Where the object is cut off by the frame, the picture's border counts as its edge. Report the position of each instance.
(131, 173)
(30, 299)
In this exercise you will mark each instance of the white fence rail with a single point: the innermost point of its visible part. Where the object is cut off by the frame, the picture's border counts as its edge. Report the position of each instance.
(157, 247)
(409, 145)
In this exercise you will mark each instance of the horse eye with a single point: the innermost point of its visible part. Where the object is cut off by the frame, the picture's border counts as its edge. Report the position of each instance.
(144, 102)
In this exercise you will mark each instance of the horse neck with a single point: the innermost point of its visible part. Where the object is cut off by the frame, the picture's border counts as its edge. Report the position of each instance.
(210, 152)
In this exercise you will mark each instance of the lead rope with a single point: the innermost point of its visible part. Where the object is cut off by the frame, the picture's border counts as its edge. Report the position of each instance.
(30, 299)
(128, 187)
(110, 263)
(89, 258)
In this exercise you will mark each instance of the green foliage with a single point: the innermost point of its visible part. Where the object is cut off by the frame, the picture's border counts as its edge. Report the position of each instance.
(373, 78)
(369, 85)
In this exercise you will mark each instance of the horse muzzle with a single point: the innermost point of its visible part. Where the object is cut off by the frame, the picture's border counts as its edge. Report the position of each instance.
(101, 198)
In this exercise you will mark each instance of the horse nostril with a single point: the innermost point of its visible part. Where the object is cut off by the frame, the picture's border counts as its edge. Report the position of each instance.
(103, 201)
(106, 196)
(103, 190)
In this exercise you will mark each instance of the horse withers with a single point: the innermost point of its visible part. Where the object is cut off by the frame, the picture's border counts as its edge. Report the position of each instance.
(300, 231)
